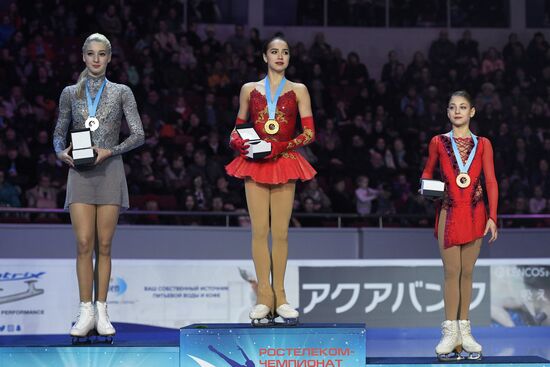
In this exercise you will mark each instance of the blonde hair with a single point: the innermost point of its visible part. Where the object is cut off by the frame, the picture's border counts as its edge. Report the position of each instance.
(96, 37)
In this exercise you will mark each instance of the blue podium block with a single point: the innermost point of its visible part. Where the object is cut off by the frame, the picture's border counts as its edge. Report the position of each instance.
(68, 356)
(309, 345)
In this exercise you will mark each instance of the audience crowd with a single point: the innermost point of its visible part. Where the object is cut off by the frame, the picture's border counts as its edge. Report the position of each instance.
(372, 130)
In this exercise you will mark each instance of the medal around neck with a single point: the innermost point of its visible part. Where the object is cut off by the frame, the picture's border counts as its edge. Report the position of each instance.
(272, 127)
(463, 179)
(92, 122)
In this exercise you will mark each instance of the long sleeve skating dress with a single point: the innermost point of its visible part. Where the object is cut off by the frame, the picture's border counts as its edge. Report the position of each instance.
(104, 183)
(466, 211)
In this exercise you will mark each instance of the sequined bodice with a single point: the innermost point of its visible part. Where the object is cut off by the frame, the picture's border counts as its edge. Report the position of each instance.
(285, 114)
(117, 100)
(449, 170)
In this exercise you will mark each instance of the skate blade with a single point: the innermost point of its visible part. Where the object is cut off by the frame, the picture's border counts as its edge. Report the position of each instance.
(265, 322)
(82, 340)
(286, 322)
(449, 357)
(474, 356)
(104, 339)
(92, 338)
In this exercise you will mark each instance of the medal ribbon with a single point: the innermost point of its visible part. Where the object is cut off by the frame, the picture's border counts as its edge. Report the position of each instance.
(463, 168)
(92, 106)
(272, 104)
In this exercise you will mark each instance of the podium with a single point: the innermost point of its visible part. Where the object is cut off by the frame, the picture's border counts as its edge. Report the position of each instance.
(308, 345)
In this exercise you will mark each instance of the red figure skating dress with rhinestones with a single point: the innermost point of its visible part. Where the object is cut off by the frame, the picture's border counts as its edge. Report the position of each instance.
(466, 212)
(289, 165)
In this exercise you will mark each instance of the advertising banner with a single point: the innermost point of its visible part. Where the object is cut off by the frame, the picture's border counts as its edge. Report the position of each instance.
(520, 295)
(384, 296)
(37, 297)
(41, 296)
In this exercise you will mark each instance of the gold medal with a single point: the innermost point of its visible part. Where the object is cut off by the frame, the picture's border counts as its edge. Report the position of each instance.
(271, 127)
(463, 180)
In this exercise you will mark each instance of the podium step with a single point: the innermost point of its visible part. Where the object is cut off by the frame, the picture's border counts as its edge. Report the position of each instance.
(134, 345)
(526, 361)
(309, 345)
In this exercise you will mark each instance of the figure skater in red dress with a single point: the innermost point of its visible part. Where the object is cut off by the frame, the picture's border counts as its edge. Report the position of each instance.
(273, 104)
(461, 219)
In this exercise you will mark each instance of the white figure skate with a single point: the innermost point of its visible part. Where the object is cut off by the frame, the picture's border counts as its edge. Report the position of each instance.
(288, 314)
(103, 325)
(84, 327)
(469, 344)
(261, 315)
(450, 345)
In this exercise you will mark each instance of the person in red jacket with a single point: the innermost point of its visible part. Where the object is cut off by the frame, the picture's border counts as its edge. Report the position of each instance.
(273, 104)
(461, 219)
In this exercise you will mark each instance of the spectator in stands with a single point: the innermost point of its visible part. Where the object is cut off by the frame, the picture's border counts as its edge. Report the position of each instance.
(341, 198)
(442, 53)
(189, 205)
(201, 193)
(17, 168)
(355, 73)
(537, 203)
(488, 95)
(230, 198)
(466, 49)
(146, 175)
(491, 62)
(413, 100)
(208, 169)
(217, 206)
(308, 207)
(42, 195)
(364, 196)
(175, 175)
(321, 202)
(9, 194)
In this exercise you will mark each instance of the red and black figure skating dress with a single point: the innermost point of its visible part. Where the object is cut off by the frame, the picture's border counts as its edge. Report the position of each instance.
(466, 212)
(287, 166)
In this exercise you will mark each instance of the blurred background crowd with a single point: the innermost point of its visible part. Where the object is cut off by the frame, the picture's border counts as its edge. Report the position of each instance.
(372, 130)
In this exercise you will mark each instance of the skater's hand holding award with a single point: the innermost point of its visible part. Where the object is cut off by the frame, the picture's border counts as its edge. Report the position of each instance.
(432, 188)
(258, 148)
(83, 154)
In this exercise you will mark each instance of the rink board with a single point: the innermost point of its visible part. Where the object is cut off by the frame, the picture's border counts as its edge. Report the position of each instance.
(307, 345)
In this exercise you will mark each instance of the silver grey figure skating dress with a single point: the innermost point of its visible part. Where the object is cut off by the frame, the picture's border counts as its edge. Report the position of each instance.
(104, 183)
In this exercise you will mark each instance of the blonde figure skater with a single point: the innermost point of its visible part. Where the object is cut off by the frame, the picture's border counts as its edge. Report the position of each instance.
(462, 219)
(273, 104)
(96, 194)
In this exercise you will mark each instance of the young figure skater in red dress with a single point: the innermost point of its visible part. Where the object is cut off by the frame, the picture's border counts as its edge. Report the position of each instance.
(461, 220)
(273, 104)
